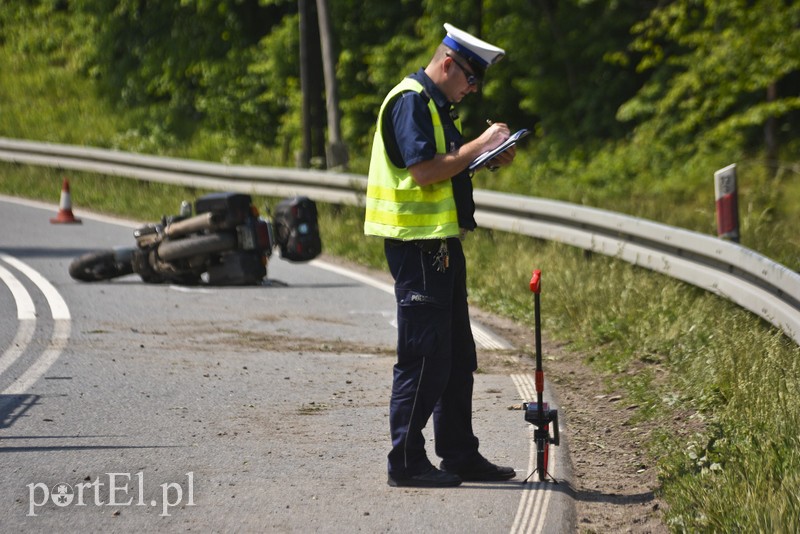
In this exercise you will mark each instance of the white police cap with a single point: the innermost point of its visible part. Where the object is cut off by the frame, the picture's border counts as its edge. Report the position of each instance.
(471, 48)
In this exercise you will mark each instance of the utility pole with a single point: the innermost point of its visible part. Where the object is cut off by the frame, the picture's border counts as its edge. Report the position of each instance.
(311, 67)
(304, 157)
(336, 150)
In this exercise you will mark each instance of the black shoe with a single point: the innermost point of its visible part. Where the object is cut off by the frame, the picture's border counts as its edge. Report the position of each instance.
(433, 478)
(481, 471)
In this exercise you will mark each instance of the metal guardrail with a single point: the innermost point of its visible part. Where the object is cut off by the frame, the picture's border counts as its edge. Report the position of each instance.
(274, 181)
(747, 278)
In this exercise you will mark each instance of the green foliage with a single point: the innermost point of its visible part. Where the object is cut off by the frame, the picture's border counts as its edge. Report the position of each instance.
(40, 96)
(272, 77)
(569, 67)
(693, 75)
(713, 63)
(191, 64)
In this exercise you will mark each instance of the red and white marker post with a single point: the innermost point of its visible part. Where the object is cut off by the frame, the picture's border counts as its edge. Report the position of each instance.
(727, 203)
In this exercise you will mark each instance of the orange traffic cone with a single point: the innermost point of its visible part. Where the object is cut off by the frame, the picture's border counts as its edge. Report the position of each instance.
(65, 207)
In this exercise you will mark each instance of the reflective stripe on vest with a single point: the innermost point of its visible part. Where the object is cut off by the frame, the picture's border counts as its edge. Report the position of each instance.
(398, 207)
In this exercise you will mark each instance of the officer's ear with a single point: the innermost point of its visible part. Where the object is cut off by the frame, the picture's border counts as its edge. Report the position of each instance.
(447, 66)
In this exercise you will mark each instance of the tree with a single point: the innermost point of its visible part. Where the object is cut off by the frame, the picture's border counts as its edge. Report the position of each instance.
(721, 71)
(693, 71)
(185, 64)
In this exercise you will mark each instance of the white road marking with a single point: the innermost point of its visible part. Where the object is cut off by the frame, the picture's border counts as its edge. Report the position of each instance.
(61, 330)
(19, 344)
(57, 305)
(25, 306)
(532, 509)
(26, 313)
(366, 280)
(186, 289)
(57, 345)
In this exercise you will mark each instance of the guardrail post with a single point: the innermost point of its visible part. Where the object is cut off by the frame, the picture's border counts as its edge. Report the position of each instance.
(727, 203)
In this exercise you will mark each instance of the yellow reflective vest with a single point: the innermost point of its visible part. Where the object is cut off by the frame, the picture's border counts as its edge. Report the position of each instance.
(398, 207)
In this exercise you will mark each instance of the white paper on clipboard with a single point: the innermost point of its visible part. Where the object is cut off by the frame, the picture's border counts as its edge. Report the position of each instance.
(481, 160)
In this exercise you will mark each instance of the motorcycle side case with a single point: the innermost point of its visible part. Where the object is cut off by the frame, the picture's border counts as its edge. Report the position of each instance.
(297, 229)
(232, 208)
(237, 268)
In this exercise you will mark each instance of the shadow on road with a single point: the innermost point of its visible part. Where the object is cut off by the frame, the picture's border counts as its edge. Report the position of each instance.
(565, 488)
(12, 407)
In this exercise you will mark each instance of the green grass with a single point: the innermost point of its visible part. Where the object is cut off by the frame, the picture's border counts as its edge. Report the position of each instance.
(39, 100)
(731, 463)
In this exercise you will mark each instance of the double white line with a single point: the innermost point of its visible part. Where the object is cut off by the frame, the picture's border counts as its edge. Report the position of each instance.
(532, 509)
(26, 314)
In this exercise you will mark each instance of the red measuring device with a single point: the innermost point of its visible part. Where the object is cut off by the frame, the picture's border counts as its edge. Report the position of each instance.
(539, 413)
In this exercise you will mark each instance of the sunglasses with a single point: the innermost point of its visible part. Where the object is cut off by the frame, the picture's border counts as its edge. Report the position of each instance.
(472, 79)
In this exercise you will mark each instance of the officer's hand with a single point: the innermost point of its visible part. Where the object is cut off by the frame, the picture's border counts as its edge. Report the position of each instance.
(494, 135)
(504, 158)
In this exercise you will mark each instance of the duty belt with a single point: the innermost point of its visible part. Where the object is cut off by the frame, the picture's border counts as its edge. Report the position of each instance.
(428, 246)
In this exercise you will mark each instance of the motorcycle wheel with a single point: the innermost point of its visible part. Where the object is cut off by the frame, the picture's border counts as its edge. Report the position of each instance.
(98, 266)
(194, 246)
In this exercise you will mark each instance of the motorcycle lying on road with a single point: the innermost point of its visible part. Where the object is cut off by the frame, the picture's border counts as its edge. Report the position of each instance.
(226, 242)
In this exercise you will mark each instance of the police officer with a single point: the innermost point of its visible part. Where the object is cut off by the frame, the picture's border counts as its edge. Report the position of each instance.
(419, 199)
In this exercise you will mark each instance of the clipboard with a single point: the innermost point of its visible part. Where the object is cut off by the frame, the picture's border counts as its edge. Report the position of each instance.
(487, 156)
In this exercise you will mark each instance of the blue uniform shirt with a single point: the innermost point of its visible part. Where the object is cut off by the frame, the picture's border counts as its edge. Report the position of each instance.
(409, 139)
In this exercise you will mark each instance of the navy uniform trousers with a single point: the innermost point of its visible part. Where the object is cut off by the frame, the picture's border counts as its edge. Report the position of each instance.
(435, 359)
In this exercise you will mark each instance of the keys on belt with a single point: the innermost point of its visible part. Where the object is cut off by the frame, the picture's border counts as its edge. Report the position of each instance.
(441, 259)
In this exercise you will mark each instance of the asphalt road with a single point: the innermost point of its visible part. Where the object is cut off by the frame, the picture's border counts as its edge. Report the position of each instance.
(127, 406)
